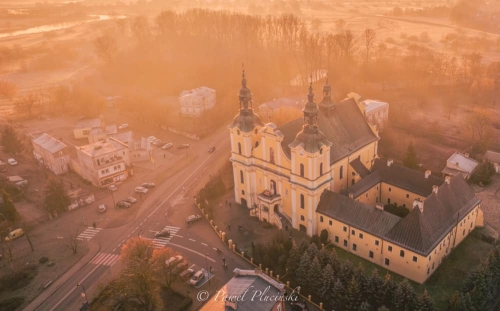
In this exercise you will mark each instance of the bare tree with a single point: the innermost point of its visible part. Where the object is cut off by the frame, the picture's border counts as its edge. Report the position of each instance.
(369, 35)
(140, 28)
(27, 233)
(25, 105)
(106, 47)
(478, 124)
(73, 242)
(8, 89)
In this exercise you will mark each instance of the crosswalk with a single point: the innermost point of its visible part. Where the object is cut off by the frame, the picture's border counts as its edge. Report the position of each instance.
(162, 242)
(105, 259)
(88, 234)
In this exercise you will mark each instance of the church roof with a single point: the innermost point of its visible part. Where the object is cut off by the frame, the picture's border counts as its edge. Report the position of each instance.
(360, 168)
(346, 128)
(246, 121)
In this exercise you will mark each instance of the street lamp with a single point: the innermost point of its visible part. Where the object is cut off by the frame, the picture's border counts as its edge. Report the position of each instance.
(86, 304)
(206, 265)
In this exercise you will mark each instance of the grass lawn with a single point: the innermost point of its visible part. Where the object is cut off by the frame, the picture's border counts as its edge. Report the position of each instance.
(447, 278)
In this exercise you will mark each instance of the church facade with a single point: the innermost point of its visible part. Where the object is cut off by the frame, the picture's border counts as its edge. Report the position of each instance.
(322, 172)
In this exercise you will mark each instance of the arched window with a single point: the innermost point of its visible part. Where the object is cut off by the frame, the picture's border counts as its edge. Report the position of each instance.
(256, 144)
(239, 148)
(341, 172)
(321, 151)
(353, 181)
(320, 218)
(273, 187)
(241, 177)
(301, 170)
(320, 169)
(302, 205)
(271, 155)
(302, 218)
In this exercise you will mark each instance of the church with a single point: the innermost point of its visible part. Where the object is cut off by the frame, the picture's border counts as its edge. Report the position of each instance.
(322, 172)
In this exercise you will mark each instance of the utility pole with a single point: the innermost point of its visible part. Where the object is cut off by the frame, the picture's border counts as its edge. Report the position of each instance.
(86, 305)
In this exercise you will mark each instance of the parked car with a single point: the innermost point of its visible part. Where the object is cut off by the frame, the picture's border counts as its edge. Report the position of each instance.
(152, 138)
(211, 149)
(123, 204)
(123, 126)
(102, 208)
(131, 200)
(112, 187)
(12, 161)
(182, 146)
(157, 142)
(162, 234)
(167, 146)
(148, 185)
(192, 218)
(186, 273)
(14, 234)
(141, 190)
(298, 306)
(181, 266)
(173, 260)
(197, 277)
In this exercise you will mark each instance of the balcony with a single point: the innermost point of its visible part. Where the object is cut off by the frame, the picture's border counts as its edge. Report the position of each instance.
(269, 197)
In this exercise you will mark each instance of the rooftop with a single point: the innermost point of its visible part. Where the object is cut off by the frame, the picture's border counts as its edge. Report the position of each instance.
(200, 91)
(371, 105)
(108, 130)
(101, 148)
(461, 162)
(88, 123)
(49, 143)
(492, 156)
(295, 103)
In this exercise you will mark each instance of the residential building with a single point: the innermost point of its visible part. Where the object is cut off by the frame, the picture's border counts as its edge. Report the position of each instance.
(376, 112)
(322, 171)
(139, 150)
(51, 153)
(195, 102)
(83, 127)
(493, 157)
(248, 290)
(103, 163)
(460, 163)
(101, 133)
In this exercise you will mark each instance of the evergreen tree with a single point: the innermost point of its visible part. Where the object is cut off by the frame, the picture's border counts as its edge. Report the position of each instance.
(323, 236)
(301, 275)
(313, 250)
(346, 271)
(314, 277)
(375, 290)
(327, 283)
(389, 289)
(353, 297)
(7, 209)
(424, 302)
(410, 159)
(405, 297)
(481, 295)
(10, 142)
(365, 306)
(56, 199)
(338, 294)
(383, 308)
(293, 261)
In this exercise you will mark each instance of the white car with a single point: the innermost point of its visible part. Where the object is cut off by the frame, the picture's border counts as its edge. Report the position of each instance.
(123, 126)
(152, 138)
(102, 208)
(12, 161)
(166, 146)
(112, 188)
(173, 260)
(141, 190)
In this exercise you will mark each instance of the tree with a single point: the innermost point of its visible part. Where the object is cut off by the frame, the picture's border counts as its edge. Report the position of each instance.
(314, 276)
(140, 28)
(293, 260)
(405, 297)
(369, 36)
(424, 302)
(106, 47)
(375, 289)
(410, 159)
(323, 237)
(478, 124)
(303, 269)
(327, 283)
(27, 233)
(8, 90)
(56, 198)
(7, 209)
(353, 297)
(482, 174)
(73, 241)
(10, 142)
(25, 104)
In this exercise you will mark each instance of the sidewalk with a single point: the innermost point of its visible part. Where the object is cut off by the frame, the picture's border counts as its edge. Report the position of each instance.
(93, 250)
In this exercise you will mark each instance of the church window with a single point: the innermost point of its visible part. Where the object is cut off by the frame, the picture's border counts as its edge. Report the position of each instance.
(271, 155)
(387, 262)
(301, 170)
(320, 218)
(243, 192)
(238, 132)
(241, 177)
(341, 172)
(361, 235)
(377, 242)
(389, 248)
(330, 222)
(321, 151)
(256, 144)
(302, 218)
(415, 258)
(370, 254)
(402, 253)
(302, 201)
(321, 169)
(390, 189)
(239, 148)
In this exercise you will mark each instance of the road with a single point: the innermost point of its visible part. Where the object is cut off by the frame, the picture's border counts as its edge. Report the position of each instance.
(163, 206)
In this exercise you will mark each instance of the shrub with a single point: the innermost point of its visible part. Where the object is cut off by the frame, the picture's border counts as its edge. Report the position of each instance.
(43, 260)
(18, 279)
(11, 304)
(184, 305)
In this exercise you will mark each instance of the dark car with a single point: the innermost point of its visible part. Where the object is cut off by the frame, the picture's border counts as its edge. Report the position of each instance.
(162, 234)
(123, 204)
(211, 149)
(298, 306)
(148, 185)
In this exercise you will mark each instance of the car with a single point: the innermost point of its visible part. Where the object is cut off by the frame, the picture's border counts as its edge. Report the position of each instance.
(157, 142)
(112, 188)
(130, 200)
(192, 218)
(298, 306)
(148, 185)
(211, 149)
(123, 204)
(167, 146)
(102, 208)
(197, 277)
(182, 146)
(152, 138)
(181, 266)
(123, 126)
(162, 234)
(173, 260)
(186, 273)
(14, 234)
(12, 161)
(141, 190)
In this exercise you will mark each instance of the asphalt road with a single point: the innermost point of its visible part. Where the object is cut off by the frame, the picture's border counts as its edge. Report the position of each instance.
(164, 206)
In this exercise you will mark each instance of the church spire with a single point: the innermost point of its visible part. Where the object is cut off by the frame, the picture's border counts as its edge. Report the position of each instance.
(327, 89)
(245, 95)
(310, 111)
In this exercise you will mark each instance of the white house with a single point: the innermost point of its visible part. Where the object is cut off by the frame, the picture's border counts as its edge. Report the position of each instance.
(460, 163)
(376, 112)
(493, 157)
(196, 101)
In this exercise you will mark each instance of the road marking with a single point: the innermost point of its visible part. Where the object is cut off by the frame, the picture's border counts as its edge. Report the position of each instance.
(88, 233)
(215, 249)
(204, 244)
(193, 251)
(114, 249)
(180, 236)
(192, 240)
(128, 236)
(104, 259)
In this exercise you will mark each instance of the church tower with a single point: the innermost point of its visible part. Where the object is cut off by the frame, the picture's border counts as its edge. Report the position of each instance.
(310, 155)
(326, 105)
(245, 135)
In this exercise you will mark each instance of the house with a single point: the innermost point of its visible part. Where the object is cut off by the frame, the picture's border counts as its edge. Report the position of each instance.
(248, 290)
(195, 102)
(103, 163)
(51, 153)
(493, 157)
(376, 112)
(100, 133)
(83, 127)
(139, 150)
(460, 163)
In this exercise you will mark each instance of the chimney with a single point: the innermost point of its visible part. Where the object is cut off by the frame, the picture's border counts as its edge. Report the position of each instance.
(427, 174)
(435, 189)
(447, 180)
(466, 154)
(418, 203)
(351, 195)
(379, 206)
(389, 162)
